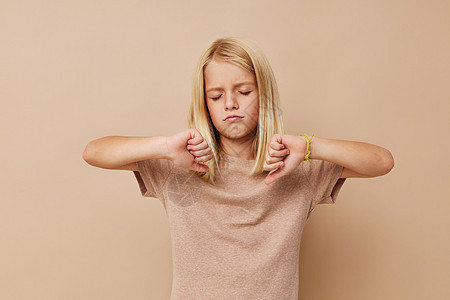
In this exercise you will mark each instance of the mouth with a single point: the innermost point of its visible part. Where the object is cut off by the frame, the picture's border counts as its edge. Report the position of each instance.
(233, 118)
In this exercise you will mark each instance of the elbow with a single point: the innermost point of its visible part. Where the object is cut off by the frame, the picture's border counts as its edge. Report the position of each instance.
(88, 154)
(388, 162)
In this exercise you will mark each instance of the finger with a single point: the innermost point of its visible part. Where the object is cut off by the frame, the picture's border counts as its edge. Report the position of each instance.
(274, 166)
(193, 141)
(203, 158)
(196, 139)
(200, 152)
(273, 159)
(199, 146)
(278, 153)
(277, 146)
(277, 142)
(194, 134)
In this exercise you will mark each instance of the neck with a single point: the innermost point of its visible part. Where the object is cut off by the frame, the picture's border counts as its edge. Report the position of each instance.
(238, 147)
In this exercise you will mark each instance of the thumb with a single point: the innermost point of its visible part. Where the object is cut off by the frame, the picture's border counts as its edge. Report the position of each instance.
(200, 167)
(273, 176)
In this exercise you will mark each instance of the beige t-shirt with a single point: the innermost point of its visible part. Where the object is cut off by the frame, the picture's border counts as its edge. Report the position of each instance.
(239, 239)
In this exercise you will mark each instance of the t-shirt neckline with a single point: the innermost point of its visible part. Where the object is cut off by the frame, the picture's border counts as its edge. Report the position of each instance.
(239, 160)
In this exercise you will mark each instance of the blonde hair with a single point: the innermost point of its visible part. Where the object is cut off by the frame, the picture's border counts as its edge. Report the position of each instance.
(245, 54)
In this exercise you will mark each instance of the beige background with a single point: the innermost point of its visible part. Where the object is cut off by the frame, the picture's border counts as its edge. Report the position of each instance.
(73, 71)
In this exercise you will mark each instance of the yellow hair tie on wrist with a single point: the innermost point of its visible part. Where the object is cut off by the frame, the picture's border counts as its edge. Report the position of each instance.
(308, 140)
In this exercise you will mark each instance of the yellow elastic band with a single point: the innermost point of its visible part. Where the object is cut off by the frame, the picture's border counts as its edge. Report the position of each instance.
(307, 146)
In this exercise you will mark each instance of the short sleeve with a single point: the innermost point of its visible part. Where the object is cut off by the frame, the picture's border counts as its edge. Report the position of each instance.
(152, 176)
(323, 180)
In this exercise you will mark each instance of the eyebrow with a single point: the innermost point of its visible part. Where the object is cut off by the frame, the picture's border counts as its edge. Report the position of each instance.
(237, 84)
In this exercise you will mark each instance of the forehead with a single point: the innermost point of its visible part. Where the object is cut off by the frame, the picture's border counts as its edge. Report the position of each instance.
(219, 74)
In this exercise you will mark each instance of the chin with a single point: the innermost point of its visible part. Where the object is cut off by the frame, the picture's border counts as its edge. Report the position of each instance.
(238, 134)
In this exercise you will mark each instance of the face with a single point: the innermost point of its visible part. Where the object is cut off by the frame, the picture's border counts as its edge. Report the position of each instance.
(232, 90)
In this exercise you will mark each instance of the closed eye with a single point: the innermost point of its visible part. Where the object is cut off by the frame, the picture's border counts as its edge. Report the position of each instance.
(243, 93)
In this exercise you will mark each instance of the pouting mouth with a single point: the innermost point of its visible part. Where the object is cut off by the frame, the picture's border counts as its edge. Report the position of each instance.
(232, 117)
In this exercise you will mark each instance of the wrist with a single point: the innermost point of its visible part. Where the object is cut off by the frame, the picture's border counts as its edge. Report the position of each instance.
(301, 141)
(307, 148)
(313, 148)
(167, 145)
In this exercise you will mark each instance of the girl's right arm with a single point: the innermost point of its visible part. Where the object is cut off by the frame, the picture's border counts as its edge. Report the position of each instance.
(122, 152)
(186, 149)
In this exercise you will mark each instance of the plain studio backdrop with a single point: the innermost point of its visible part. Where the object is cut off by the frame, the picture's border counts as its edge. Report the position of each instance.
(73, 71)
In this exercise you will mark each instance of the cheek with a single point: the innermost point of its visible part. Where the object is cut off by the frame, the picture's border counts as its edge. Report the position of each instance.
(210, 109)
(213, 113)
(254, 111)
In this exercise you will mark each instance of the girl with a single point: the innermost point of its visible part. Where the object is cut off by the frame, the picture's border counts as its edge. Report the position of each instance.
(237, 190)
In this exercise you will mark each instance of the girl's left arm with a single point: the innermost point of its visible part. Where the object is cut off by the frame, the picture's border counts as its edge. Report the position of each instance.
(358, 159)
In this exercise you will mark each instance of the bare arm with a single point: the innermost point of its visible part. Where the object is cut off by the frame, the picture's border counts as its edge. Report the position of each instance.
(122, 152)
(359, 159)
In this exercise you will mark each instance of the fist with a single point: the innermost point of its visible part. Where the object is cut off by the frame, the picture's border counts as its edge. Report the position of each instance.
(283, 155)
(189, 150)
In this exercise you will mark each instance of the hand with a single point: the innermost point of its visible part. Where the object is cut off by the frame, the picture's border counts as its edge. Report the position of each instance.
(189, 155)
(284, 154)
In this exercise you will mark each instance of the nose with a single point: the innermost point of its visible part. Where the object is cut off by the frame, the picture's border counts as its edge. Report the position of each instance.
(231, 102)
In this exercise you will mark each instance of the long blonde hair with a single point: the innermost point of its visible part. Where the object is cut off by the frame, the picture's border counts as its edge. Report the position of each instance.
(245, 54)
